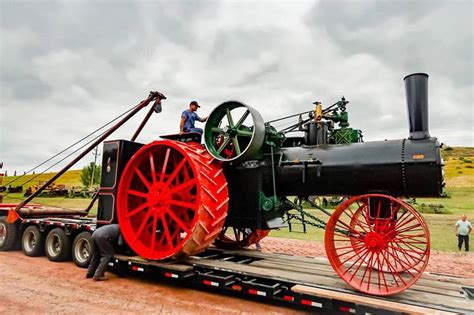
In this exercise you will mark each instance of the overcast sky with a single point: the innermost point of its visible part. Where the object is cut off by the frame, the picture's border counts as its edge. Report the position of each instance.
(68, 67)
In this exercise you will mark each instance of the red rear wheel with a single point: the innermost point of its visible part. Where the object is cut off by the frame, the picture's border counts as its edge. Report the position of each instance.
(228, 151)
(235, 238)
(377, 244)
(172, 200)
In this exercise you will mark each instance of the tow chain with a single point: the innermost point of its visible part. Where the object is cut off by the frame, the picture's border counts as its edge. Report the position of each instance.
(314, 221)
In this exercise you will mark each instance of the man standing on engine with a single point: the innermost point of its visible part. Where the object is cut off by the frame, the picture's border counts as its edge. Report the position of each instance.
(188, 117)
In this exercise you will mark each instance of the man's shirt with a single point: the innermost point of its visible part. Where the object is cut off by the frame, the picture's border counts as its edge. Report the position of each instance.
(189, 119)
(463, 227)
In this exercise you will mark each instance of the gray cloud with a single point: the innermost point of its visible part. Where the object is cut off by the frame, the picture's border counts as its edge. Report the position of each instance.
(68, 67)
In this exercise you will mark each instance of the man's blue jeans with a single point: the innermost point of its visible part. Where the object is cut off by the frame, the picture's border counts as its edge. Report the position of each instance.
(198, 130)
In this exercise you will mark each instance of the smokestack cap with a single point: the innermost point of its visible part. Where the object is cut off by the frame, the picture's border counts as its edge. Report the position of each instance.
(418, 73)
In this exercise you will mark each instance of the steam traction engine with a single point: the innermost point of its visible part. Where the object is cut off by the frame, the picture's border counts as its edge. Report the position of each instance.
(175, 197)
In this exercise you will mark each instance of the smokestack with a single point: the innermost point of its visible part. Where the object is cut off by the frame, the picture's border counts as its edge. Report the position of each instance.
(416, 89)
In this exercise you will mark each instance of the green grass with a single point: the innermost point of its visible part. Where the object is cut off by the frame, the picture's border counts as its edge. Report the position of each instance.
(71, 178)
(61, 202)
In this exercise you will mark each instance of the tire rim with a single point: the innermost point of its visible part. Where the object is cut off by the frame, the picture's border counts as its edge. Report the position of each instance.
(54, 245)
(29, 241)
(3, 233)
(82, 250)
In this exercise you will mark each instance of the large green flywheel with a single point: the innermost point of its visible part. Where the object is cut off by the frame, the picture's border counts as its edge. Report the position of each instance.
(234, 131)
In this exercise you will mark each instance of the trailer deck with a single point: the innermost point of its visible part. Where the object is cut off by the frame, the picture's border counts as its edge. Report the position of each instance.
(305, 282)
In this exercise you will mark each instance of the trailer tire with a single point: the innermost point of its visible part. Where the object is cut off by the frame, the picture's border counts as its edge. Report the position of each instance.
(32, 242)
(57, 245)
(82, 249)
(9, 234)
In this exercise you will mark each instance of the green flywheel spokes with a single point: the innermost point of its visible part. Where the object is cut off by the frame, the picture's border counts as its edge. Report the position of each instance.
(230, 133)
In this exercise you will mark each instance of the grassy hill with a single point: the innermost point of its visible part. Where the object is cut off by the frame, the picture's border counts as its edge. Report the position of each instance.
(459, 166)
(70, 178)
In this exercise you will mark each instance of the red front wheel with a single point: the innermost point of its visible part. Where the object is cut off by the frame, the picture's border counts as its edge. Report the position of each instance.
(172, 200)
(377, 244)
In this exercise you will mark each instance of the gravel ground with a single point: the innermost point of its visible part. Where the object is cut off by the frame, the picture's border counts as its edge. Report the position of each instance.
(36, 285)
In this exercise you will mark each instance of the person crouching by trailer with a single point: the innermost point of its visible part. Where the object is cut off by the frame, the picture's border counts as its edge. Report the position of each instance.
(104, 242)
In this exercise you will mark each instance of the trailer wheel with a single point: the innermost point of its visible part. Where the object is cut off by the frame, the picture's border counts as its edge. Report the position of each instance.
(32, 242)
(82, 249)
(8, 235)
(58, 245)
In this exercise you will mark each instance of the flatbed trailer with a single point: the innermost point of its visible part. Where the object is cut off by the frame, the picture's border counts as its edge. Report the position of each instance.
(59, 237)
(294, 281)
(305, 282)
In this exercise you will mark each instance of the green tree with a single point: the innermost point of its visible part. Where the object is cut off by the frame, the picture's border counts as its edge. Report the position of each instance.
(86, 174)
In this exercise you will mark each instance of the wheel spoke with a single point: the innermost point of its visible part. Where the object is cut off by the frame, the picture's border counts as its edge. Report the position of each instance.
(137, 193)
(217, 130)
(353, 238)
(369, 263)
(242, 119)
(224, 144)
(176, 171)
(405, 263)
(244, 133)
(142, 225)
(167, 232)
(137, 210)
(142, 178)
(414, 258)
(355, 217)
(229, 118)
(184, 204)
(153, 233)
(165, 164)
(380, 271)
(393, 271)
(189, 184)
(361, 257)
(410, 228)
(360, 265)
(178, 221)
(236, 145)
(152, 167)
(348, 228)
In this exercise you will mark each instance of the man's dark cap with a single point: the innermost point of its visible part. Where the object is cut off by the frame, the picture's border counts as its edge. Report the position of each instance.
(194, 103)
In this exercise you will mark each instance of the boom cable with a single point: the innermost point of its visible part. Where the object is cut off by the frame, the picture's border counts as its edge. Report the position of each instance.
(64, 150)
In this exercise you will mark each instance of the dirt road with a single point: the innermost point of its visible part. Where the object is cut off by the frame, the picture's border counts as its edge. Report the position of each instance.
(36, 285)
